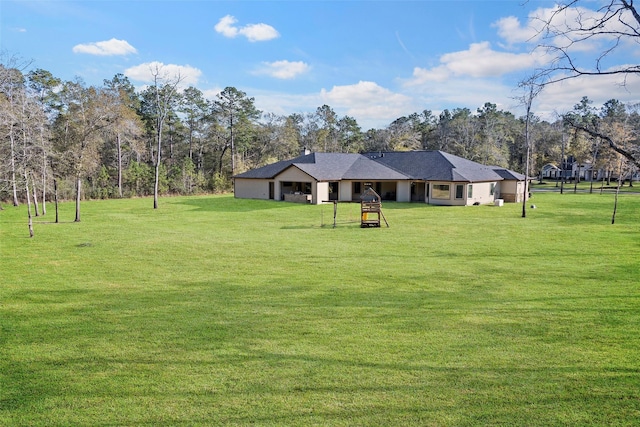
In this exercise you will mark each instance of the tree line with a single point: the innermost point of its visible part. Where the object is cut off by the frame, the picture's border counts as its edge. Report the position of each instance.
(68, 140)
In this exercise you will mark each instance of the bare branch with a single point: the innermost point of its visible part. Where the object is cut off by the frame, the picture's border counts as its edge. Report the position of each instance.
(569, 27)
(596, 134)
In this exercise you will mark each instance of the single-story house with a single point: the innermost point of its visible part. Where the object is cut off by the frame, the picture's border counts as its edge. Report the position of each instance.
(551, 171)
(432, 177)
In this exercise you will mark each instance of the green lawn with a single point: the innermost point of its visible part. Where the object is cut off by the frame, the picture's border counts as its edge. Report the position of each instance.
(217, 311)
(596, 187)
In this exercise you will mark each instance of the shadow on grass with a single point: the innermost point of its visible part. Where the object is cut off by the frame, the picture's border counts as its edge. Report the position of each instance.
(230, 204)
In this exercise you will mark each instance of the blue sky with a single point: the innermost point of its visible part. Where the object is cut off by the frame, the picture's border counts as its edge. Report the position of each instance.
(372, 60)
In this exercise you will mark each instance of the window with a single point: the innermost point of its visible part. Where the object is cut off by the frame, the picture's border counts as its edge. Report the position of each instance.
(459, 191)
(470, 191)
(356, 188)
(492, 188)
(440, 191)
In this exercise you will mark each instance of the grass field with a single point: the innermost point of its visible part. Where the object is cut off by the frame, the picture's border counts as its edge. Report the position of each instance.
(217, 311)
(595, 187)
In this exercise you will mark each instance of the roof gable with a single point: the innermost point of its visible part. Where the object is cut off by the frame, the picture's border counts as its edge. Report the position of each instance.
(417, 165)
(272, 170)
(436, 166)
(509, 174)
(328, 167)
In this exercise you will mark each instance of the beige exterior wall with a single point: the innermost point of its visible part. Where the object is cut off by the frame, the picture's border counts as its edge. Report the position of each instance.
(292, 174)
(512, 191)
(345, 191)
(403, 191)
(481, 193)
(438, 197)
(320, 192)
(251, 188)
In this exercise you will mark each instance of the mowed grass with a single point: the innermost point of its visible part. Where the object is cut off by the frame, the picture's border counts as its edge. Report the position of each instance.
(220, 311)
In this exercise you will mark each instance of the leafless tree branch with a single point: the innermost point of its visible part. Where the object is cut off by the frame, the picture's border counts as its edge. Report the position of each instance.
(596, 134)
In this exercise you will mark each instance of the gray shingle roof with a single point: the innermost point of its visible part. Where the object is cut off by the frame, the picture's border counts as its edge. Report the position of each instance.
(272, 170)
(436, 166)
(508, 174)
(417, 165)
(329, 167)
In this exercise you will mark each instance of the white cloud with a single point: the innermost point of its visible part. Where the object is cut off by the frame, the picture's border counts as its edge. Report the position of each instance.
(225, 26)
(283, 69)
(145, 73)
(106, 48)
(461, 92)
(369, 103)
(565, 24)
(259, 32)
(253, 32)
(561, 97)
(511, 30)
(479, 61)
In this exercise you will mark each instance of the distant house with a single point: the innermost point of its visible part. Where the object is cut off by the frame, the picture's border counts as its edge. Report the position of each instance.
(432, 177)
(582, 171)
(551, 171)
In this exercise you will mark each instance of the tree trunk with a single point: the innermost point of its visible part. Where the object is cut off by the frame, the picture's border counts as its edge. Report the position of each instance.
(615, 204)
(14, 184)
(224, 150)
(562, 164)
(119, 148)
(78, 189)
(233, 149)
(55, 197)
(30, 221)
(526, 168)
(35, 196)
(155, 186)
(159, 124)
(44, 175)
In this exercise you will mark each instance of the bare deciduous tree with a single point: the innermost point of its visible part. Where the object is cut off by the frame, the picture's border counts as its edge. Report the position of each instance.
(571, 29)
(531, 88)
(165, 91)
(86, 112)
